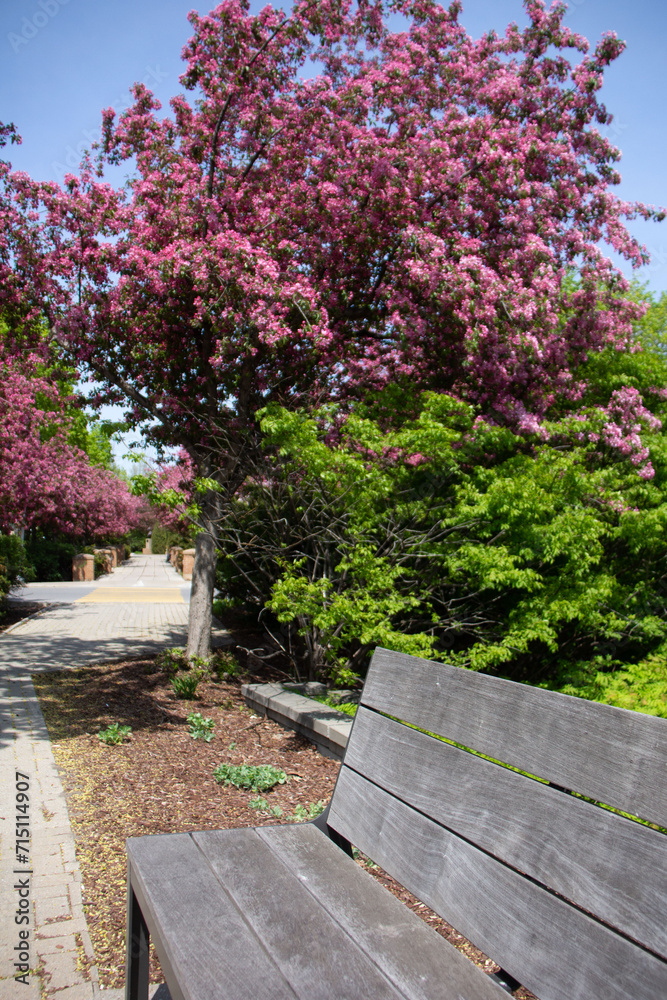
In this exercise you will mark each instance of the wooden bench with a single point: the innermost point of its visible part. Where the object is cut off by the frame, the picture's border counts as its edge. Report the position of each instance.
(567, 897)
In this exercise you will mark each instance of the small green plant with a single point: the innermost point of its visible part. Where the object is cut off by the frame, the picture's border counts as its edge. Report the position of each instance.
(300, 814)
(185, 686)
(114, 734)
(226, 666)
(263, 806)
(171, 660)
(201, 728)
(223, 604)
(358, 856)
(200, 663)
(310, 811)
(256, 777)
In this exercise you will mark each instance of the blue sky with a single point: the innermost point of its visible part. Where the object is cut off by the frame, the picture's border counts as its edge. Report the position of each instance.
(62, 61)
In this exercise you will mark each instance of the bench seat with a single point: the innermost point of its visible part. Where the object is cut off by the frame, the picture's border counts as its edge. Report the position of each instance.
(281, 912)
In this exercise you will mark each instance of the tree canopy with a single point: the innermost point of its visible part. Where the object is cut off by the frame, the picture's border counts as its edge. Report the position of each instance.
(410, 215)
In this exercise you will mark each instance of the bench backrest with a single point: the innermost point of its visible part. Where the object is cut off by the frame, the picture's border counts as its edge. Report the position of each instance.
(568, 897)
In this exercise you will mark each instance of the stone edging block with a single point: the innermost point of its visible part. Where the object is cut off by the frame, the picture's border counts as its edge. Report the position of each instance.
(326, 727)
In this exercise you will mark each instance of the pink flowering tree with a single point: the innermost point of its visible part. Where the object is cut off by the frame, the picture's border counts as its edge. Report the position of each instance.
(410, 215)
(45, 482)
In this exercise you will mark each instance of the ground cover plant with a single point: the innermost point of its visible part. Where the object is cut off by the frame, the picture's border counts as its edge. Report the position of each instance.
(256, 777)
(114, 734)
(161, 781)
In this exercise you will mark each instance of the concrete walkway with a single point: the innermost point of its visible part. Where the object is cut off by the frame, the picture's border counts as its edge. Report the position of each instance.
(139, 608)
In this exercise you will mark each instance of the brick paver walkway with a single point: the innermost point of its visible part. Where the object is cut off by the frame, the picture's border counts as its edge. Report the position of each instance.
(43, 890)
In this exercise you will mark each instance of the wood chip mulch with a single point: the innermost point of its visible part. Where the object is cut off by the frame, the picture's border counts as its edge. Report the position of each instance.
(160, 781)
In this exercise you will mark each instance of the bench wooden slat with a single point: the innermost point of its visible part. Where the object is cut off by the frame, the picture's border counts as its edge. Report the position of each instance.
(608, 865)
(552, 948)
(201, 938)
(610, 754)
(418, 960)
(314, 955)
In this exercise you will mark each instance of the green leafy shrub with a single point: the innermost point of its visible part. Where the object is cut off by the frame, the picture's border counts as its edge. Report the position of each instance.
(50, 556)
(163, 538)
(135, 541)
(640, 687)
(114, 734)
(256, 777)
(453, 538)
(14, 566)
(201, 728)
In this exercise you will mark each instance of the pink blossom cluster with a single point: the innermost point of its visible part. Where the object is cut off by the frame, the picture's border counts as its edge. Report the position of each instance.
(414, 212)
(626, 414)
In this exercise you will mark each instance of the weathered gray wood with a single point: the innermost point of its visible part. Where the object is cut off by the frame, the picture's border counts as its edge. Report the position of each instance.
(421, 963)
(608, 865)
(610, 754)
(552, 948)
(204, 944)
(314, 955)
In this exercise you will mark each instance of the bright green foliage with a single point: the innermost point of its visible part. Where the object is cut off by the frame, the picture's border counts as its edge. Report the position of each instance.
(201, 728)
(348, 708)
(452, 538)
(114, 734)
(256, 777)
(641, 687)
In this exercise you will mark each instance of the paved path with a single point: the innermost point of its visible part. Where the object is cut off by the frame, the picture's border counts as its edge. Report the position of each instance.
(141, 607)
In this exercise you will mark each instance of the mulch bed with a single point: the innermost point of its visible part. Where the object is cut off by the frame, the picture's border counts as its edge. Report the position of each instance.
(160, 781)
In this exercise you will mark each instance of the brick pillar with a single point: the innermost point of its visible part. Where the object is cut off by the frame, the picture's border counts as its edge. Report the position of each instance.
(83, 567)
(188, 563)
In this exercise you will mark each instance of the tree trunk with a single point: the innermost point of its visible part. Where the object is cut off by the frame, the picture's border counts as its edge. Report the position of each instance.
(201, 597)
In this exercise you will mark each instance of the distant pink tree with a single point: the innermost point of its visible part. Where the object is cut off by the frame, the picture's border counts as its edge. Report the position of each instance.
(411, 215)
(44, 481)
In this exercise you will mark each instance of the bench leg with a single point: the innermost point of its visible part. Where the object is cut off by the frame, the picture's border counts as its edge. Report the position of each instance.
(136, 961)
